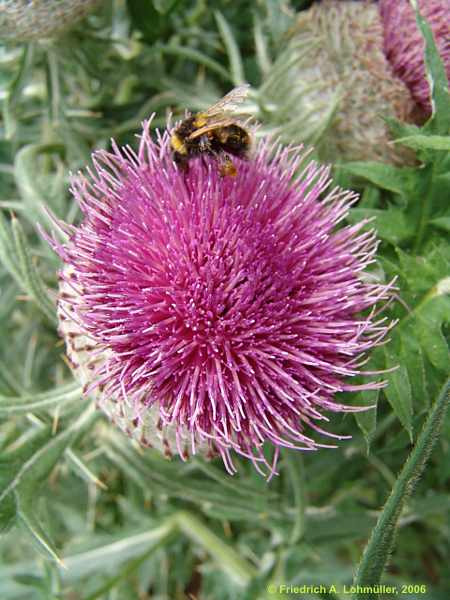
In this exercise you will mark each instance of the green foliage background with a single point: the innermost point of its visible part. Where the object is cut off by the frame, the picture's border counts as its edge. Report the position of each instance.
(85, 513)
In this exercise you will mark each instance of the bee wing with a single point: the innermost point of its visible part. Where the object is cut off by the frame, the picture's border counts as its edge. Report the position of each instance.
(211, 125)
(229, 102)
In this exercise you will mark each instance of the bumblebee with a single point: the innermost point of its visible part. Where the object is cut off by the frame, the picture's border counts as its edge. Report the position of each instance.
(215, 133)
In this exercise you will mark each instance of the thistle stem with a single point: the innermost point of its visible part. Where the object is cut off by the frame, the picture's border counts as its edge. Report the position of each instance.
(381, 542)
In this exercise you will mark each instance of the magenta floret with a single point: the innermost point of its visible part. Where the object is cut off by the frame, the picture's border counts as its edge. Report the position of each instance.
(404, 45)
(232, 306)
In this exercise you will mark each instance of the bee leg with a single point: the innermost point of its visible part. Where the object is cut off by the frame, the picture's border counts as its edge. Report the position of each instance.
(226, 167)
(181, 161)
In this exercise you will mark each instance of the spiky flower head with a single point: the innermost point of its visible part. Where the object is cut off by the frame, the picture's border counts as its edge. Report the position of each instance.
(404, 44)
(332, 85)
(211, 314)
(25, 20)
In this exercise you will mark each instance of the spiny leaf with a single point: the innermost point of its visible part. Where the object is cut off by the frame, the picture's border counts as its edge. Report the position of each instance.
(27, 518)
(8, 252)
(15, 89)
(29, 178)
(116, 552)
(11, 462)
(166, 479)
(24, 470)
(196, 56)
(43, 401)
(261, 48)
(15, 255)
(226, 557)
(31, 279)
(82, 469)
(10, 466)
(127, 570)
(229, 560)
(234, 54)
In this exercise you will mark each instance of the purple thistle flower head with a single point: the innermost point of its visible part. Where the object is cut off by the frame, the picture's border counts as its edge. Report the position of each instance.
(404, 45)
(211, 314)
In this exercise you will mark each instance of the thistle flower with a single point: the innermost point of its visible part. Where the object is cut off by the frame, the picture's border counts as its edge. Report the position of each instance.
(332, 85)
(404, 45)
(22, 20)
(211, 314)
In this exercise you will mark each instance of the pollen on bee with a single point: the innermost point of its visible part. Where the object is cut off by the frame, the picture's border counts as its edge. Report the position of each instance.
(228, 169)
(200, 121)
(177, 144)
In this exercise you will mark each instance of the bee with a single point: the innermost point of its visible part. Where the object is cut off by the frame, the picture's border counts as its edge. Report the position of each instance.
(214, 132)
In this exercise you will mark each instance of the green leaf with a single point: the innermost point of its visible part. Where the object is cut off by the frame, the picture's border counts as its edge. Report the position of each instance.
(115, 553)
(398, 129)
(398, 390)
(30, 580)
(426, 142)
(31, 181)
(225, 555)
(147, 19)
(233, 52)
(411, 355)
(296, 470)
(8, 511)
(392, 224)
(441, 223)
(82, 469)
(15, 89)
(167, 480)
(195, 56)
(429, 331)
(395, 179)
(381, 542)
(23, 404)
(367, 420)
(437, 78)
(30, 278)
(27, 518)
(8, 252)
(261, 48)
(24, 469)
(427, 320)
(127, 570)
(164, 6)
(15, 255)
(10, 466)
(370, 197)
(422, 273)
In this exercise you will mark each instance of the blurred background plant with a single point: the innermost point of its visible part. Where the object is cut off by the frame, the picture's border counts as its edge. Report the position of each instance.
(127, 523)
